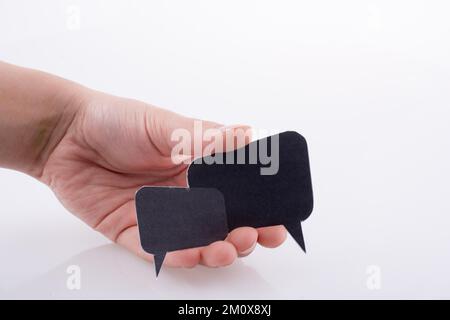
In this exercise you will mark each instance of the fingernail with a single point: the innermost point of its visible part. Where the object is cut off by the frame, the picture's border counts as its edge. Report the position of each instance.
(248, 251)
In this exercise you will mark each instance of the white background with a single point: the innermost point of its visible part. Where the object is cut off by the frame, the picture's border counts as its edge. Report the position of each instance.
(366, 82)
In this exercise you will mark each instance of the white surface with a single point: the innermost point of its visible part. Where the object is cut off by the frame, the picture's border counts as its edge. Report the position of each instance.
(367, 83)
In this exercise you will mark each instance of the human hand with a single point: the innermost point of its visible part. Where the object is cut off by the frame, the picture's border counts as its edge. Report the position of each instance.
(111, 147)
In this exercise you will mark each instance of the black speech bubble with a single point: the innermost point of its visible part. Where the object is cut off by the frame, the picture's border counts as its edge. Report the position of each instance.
(256, 200)
(171, 218)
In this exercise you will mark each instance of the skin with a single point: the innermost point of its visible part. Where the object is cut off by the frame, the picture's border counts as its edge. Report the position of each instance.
(95, 150)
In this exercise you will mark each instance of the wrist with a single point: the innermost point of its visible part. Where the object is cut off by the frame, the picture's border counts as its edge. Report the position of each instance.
(37, 109)
(66, 100)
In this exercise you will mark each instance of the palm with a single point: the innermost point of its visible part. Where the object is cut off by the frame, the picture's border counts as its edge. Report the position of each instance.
(113, 147)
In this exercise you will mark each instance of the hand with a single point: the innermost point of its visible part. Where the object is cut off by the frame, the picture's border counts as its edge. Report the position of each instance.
(112, 147)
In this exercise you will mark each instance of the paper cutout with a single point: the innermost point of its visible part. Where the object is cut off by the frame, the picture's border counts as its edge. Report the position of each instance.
(256, 200)
(172, 219)
(268, 183)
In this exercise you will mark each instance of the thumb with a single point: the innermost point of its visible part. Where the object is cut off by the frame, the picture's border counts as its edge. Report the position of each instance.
(189, 138)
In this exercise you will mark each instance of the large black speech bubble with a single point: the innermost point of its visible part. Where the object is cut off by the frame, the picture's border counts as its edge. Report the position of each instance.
(255, 199)
(171, 218)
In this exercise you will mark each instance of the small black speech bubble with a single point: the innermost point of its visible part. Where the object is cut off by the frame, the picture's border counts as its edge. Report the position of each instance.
(268, 183)
(171, 218)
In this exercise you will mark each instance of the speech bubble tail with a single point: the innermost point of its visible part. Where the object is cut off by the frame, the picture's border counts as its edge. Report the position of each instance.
(295, 230)
(159, 259)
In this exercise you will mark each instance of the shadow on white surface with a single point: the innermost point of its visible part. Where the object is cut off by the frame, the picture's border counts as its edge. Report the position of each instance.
(109, 271)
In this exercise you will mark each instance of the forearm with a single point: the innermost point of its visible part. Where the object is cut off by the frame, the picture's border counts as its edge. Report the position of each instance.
(36, 109)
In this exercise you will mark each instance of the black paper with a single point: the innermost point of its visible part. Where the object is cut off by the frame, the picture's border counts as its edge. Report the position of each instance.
(257, 200)
(171, 218)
